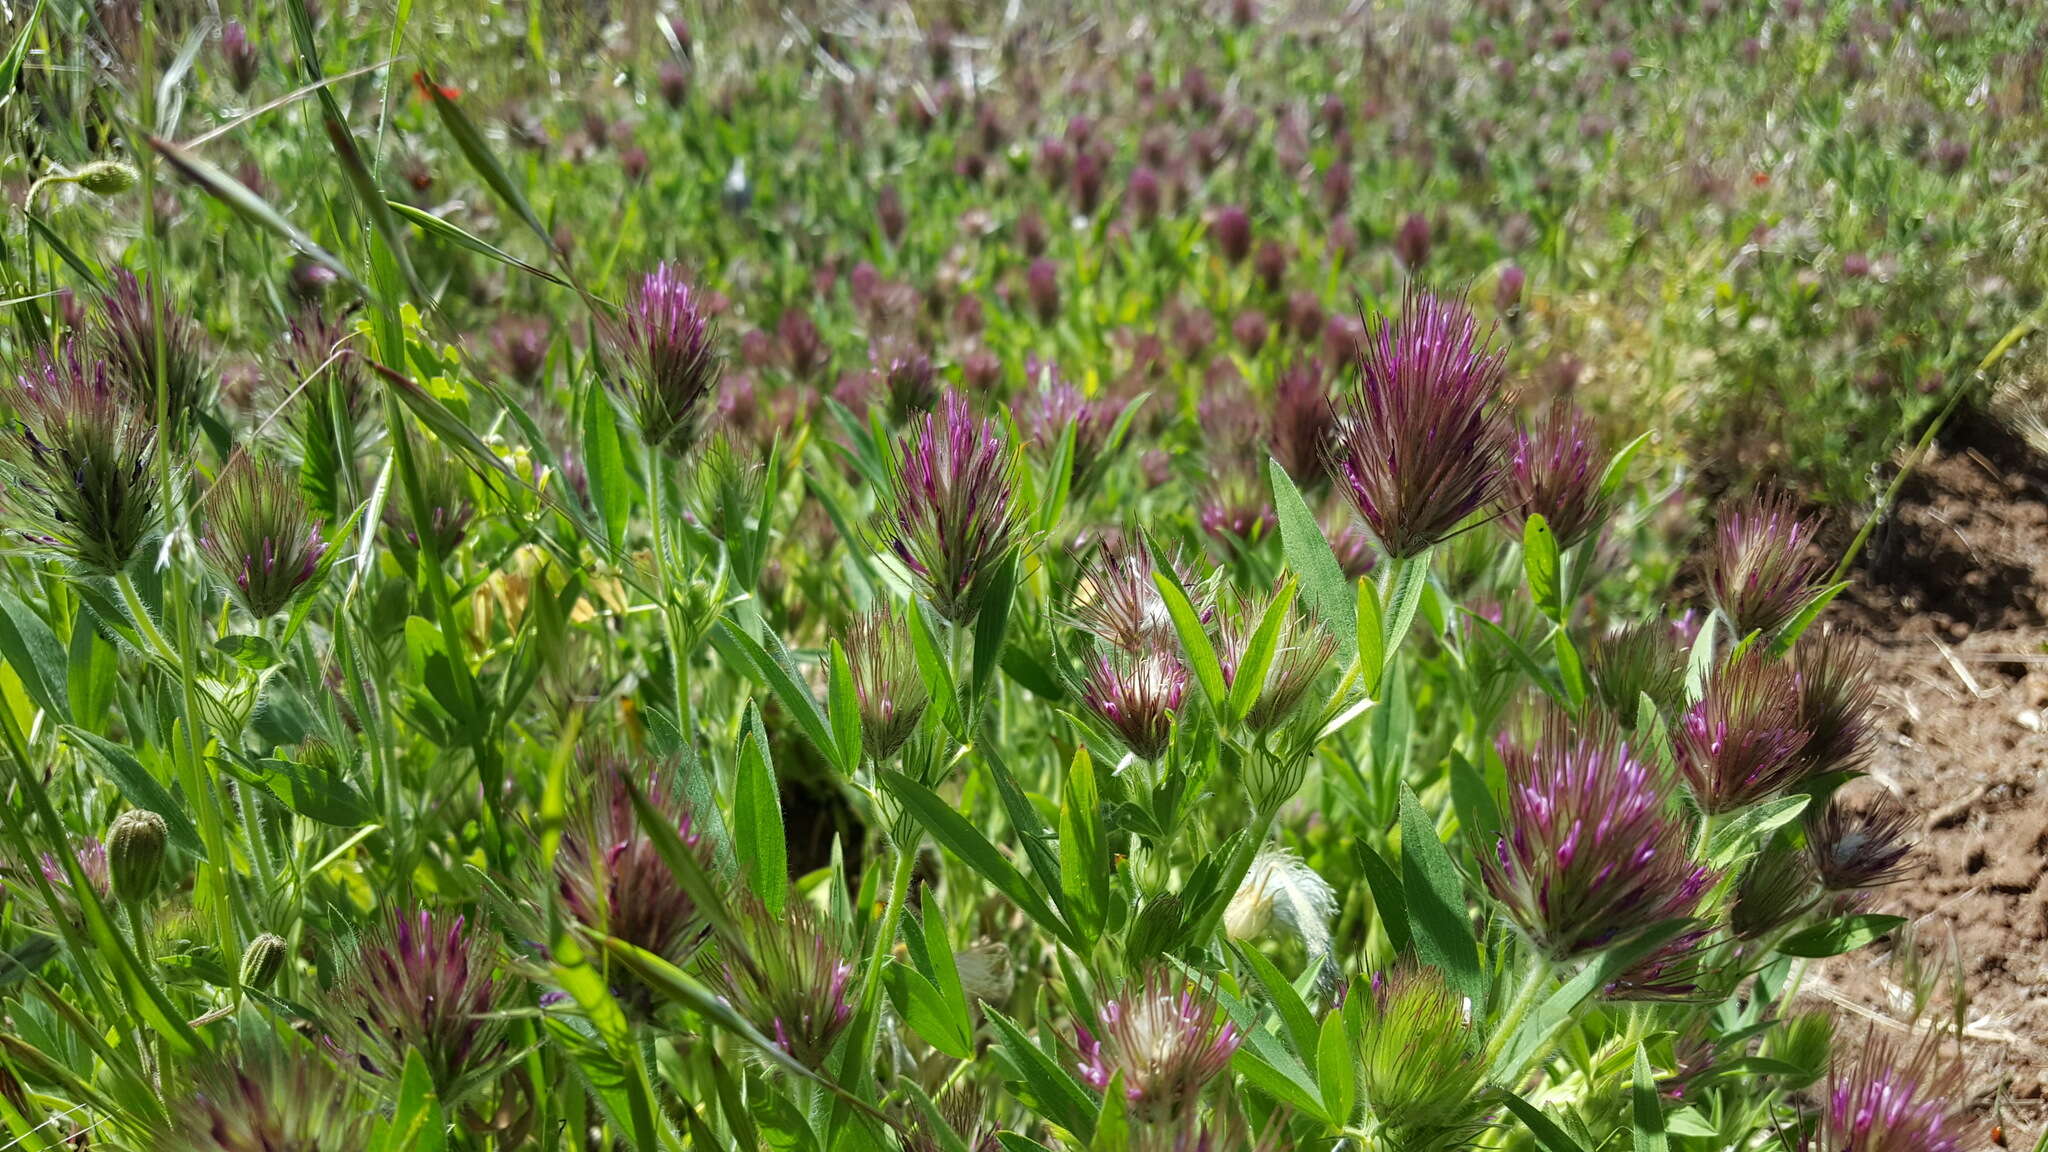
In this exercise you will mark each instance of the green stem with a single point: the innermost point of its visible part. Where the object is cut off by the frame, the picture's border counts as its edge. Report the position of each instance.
(1534, 982)
(154, 639)
(657, 501)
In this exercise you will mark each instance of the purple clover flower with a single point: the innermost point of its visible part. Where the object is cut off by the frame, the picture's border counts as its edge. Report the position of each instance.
(1555, 471)
(1836, 697)
(422, 982)
(1879, 1100)
(886, 682)
(612, 878)
(1422, 445)
(1763, 567)
(1138, 697)
(79, 463)
(150, 344)
(1741, 742)
(948, 513)
(258, 537)
(664, 365)
(788, 975)
(1592, 853)
(1167, 1039)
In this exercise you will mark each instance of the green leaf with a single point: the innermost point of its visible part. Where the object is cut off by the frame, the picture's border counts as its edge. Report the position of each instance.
(1046, 1085)
(1540, 563)
(1084, 847)
(1194, 639)
(10, 64)
(471, 144)
(416, 1118)
(31, 649)
(314, 791)
(842, 705)
(1571, 672)
(1616, 473)
(746, 653)
(604, 461)
(757, 819)
(1372, 637)
(1387, 897)
(450, 233)
(1841, 934)
(1256, 661)
(1647, 1112)
(1407, 578)
(1113, 1122)
(1538, 1026)
(1549, 1136)
(250, 207)
(921, 1006)
(964, 840)
(1294, 1013)
(937, 672)
(1336, 1069)
(991, 628)
(1804, 618)
(1309, 556)
(1435, 893)
(1736, 838)
(1478, 811)
(140, 788)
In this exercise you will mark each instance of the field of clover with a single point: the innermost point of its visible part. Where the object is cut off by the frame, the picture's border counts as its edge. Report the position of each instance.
(959, 578)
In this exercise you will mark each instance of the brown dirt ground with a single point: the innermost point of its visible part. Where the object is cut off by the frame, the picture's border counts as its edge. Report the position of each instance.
(1953, 600)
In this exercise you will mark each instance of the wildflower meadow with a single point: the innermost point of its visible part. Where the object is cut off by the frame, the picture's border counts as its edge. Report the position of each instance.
(962, 577)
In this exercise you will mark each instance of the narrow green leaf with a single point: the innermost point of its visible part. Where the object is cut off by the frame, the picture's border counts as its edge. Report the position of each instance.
(140, 788)
(10, 64)
(991, 629)
(1194, 640)
(757, 820)
(1538, 1026)
(1616, 472)
(1807, 614)
(450, 233)
(1387, 897)
(842, 705)
(921, 1006)
(965, 841)
(1314, 564)
(1407, 577)
(1740, 835)
(1256, 661)
(31, 649)
(251, 207)
(1371, 637)
(1542, 567)
(416, 1118)
(1549, 1136)
(1047, 1086)
(746, 654)
(604, 462)
(1084, 847)
(471, 144)
(1336, 1069)
(1294, 1013)
(1435, 891)
(1113, 1122)
(1647, 1111)
(1841, 934)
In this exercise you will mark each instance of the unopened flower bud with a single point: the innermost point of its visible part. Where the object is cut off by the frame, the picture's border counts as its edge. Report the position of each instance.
(135, 854)
(263, 959)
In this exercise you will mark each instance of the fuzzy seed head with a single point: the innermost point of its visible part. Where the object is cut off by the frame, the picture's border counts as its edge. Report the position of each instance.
(1554, 471)
(1861, 846)
(422, 981)
(1883, 1099)
(1138, 697)
(151, 345)
(886, 681)
(1421, 1068)
(789, 975)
